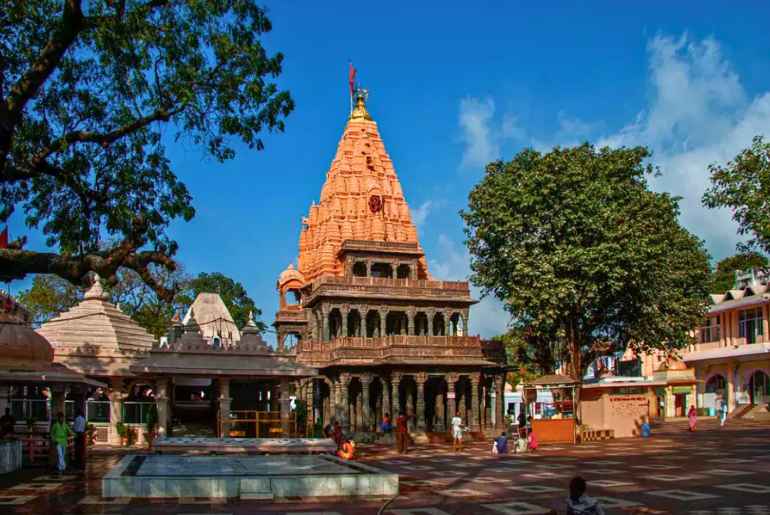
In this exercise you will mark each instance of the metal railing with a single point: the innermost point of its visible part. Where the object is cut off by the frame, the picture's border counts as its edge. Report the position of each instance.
(137, 412)
(257, 424)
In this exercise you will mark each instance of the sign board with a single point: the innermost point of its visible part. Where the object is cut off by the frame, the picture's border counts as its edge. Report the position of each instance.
(742, 398)
(681, 389)
(450, 395)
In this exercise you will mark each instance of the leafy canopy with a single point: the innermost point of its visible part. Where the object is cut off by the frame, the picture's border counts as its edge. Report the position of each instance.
(50, 295)
(583, 254)
(86, 90)
(743, 185)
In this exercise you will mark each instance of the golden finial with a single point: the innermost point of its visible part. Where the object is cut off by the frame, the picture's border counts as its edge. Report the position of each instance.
(359, 111)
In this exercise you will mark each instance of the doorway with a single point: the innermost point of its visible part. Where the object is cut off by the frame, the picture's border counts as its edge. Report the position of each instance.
(759, 387)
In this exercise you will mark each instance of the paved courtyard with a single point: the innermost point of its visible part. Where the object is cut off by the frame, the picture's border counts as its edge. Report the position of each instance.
(710, 472)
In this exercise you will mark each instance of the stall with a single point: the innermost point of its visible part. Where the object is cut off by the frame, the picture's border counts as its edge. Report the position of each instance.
(553, 399)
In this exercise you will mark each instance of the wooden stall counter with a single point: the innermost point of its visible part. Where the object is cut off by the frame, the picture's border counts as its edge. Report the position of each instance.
(554, 430)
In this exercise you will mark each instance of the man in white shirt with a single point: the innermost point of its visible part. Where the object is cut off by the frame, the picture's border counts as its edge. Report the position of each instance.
(457, 432)
(79, 428)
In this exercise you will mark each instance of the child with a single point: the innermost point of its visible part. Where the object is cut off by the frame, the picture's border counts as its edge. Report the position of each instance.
(501, 444)
(580, 504)
(532, 441)
(645, 429)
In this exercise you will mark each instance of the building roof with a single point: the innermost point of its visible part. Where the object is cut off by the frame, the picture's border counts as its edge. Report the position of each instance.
(26, 356)
(738, 301)
(751, 350)
(360, 200)
(210, 313)
(95, 337)
(552, 380)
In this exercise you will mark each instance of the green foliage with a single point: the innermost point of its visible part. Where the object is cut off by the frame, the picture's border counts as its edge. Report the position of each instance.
(152, 418)
(48, 296)
(121, 429)
(723, 276)
(743, 185)
(89, 92)
(233, 294)
(532, 355)
(581, 252)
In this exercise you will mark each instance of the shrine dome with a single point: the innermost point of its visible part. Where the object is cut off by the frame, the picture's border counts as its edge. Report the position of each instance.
(20, 346)
(290, 274)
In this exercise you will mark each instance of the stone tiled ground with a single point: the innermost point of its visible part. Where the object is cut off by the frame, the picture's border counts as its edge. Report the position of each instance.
(710, 472)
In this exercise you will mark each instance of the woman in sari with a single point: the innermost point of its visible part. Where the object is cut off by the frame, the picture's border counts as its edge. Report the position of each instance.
(692, 415)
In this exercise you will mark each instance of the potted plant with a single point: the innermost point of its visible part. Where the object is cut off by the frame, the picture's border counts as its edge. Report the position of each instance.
(152, 425)
(122, 430)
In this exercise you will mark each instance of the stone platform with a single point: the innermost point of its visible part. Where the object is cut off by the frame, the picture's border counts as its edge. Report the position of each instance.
(245, 477)
(202, 445)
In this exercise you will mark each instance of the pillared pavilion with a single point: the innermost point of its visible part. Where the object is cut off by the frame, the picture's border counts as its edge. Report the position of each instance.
(363, 309)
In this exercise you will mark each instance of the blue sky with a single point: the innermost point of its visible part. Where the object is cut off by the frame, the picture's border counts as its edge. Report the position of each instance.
(455, 85)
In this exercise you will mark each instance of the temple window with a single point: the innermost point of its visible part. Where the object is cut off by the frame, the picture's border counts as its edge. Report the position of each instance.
(335, 324)
(403, 272)
(382, 270)
(750, 324)
(439, 325)
(421, 324)
(291, 340)
(359, 269)
(296, 295)
(456, 325)
(354, 323)
(395, 323)
(372, 324)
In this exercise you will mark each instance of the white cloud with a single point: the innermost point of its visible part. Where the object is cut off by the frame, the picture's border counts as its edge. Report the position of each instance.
(699, 113)
(481, 143)
(420, 214)
(488, 318)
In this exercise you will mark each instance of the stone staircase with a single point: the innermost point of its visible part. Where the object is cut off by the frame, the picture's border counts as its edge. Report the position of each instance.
(256, 489)
(757, 412)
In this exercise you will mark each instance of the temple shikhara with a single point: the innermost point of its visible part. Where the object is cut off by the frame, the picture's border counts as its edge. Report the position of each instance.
(363, 309)
(363, 329)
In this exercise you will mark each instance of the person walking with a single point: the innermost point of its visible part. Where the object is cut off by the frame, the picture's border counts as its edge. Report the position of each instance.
(723, 412)
(402, 433)
(79, 428)
(692, 417)
(457, 432)
(60, 432)
(501, 443)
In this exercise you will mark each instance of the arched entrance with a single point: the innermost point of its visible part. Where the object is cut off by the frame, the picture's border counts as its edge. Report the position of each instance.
(716, 384)
(759, 387)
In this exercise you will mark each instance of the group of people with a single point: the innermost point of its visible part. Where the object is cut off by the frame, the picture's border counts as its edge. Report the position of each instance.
(59, 434)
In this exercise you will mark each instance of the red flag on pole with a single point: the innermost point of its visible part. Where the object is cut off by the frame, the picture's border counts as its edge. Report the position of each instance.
(4, 238)
(352, 79)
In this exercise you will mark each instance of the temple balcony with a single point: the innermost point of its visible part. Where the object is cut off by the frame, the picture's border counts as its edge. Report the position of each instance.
(291, 313)
(379, 287)
(401, 350)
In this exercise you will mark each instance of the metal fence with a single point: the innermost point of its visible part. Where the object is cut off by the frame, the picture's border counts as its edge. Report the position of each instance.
(137, 412)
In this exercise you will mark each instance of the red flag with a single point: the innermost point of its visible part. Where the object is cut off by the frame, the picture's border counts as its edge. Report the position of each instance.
(352, 79)
(4, 238)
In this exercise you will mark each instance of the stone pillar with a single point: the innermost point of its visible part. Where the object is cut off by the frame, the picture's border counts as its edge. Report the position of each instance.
(410, 322)
(466, 322)
(386, 393)
(344, 311)
(224, 405)
(285, 407)
(430, 315)
(475, 411)
(500, 402)
(451, 379)
(731, 404)
(421, 379)
(162, 405)
(383, 314)
(366, 382)
(116, 395)
(344, 402)
(395, 381)
(447, 324)
(325, 324)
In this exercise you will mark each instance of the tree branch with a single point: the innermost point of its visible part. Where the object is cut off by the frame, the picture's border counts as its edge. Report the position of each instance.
(16, 264)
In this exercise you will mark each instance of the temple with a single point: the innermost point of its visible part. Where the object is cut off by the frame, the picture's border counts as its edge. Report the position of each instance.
(363, 309)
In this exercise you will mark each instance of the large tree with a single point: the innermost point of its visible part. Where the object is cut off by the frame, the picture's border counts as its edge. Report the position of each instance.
(743, 185)
(723, 276)
(580, 251)
(48, 296)
(87, 89)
